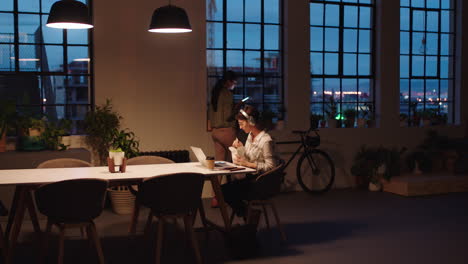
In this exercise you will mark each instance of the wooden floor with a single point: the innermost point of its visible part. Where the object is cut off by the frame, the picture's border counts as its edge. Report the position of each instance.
(427, 184)
(343, 226)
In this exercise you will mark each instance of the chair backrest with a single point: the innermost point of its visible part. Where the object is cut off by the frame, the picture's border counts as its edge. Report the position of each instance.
(77, 200)
(64, 163)
(268, 184)
(170, 194)
(142, 160)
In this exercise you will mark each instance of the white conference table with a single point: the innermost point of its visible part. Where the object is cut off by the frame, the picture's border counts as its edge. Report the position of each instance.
(134, 174)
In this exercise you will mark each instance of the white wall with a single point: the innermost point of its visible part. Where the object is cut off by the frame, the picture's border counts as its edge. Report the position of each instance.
(158, 82)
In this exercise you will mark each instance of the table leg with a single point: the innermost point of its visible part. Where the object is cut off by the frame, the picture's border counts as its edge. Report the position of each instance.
(13, 209)
(32, 211)
(16, 225)
(222, 205)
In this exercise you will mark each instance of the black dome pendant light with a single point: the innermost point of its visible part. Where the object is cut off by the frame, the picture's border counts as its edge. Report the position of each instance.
(69, 14)
(170, 19)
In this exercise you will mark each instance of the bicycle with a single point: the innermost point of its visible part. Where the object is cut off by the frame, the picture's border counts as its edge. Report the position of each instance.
(315, 169)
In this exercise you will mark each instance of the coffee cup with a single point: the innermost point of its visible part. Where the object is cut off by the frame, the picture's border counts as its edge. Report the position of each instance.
(209, 163)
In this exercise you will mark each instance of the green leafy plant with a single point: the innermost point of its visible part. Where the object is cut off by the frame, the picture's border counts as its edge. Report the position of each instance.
(350, 117)
(53, 133)
(7, 115)
(331, 109)
(314, 119)
(102, 127)
(125, 141)
(368, 160)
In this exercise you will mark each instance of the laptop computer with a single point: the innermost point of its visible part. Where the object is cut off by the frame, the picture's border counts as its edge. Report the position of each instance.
(201, 157)
(199, 154)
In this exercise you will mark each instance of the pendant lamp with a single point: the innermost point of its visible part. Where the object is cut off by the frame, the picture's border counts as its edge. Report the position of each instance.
(170, 19)
(69, 14)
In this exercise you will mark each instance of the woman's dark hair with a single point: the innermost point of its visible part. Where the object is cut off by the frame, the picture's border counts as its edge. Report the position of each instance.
(228, 76)
(253, 112)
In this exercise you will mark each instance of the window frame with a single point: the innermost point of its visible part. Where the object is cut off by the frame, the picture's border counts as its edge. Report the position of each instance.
(243, 75)
(451, 56)
(64, 72)
(341, 76)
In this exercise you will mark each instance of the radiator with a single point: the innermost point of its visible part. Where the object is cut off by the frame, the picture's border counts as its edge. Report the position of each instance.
(174, 155)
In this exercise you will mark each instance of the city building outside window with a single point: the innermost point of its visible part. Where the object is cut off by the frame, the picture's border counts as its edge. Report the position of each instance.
(341, 63)
(427, 62)
(46, 71)
(245, 36)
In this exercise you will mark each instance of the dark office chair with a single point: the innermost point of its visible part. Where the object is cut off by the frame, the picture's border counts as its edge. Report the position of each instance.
(142, 160)
(72, 203)
(64, 163)
(173, 196)
(265, 187)
(24, 193)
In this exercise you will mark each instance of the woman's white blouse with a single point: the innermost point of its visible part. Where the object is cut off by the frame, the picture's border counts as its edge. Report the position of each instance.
(260, 150)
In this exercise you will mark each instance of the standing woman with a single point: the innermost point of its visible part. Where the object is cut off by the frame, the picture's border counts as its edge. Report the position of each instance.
(221, 122)
(222, 111)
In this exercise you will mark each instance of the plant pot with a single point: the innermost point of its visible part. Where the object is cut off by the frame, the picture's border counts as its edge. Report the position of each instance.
(65, 140)
(349, 122)
(426, 122)
(117, 156)
(3, 142)
(361, 122)
(323, 123)
(332, 123)
(34, 132)
(122, 200)
(375, 187)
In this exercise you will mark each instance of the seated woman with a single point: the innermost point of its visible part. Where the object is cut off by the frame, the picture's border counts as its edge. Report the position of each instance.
(258, 155)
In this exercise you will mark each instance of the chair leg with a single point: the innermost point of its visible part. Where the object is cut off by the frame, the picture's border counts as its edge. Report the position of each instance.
(231, 219)
(159, 239)
(267, 221)
(97, 242)
(44, 247)
(191, 234)
(134, 221)
(13, 210)
(280, 227)
(61, 244)
(149, 221)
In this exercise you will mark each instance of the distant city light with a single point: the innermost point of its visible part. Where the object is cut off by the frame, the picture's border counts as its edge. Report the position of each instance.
(82, 59)
(44, 100)
(338, 93)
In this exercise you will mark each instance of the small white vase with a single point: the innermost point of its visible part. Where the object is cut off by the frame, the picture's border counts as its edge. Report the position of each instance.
(375, 187)
(117, 157)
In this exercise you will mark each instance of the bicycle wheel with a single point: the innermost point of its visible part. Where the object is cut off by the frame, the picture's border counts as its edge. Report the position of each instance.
(315, 171)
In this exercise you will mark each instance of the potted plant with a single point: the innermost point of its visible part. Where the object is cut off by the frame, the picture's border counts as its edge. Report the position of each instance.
(361, 121)
(7, 117)
(331, 111)
(369, 114)
(416, 119)
(53, 133)
(314, 120)
(102, 126)
(126, 142)
(350, 117)
(403, 120)
(373, 165)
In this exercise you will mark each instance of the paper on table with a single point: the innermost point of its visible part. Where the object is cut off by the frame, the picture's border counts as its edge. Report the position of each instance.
(240, 151)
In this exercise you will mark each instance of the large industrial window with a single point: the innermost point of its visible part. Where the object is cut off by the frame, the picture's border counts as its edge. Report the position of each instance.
(427, 34)
(341, 60)
(46, 71)
(245, 36)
